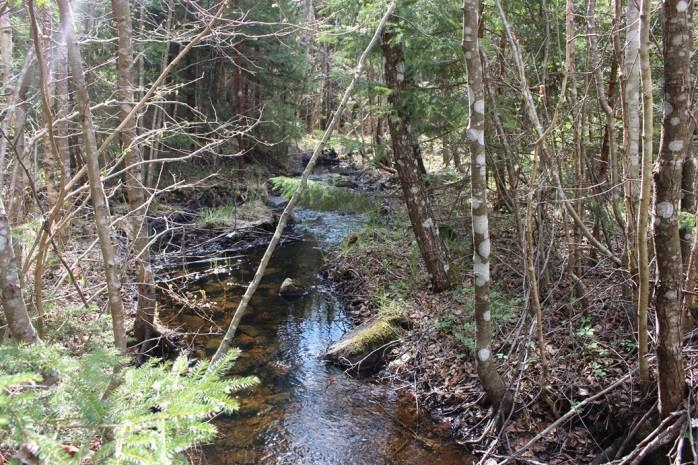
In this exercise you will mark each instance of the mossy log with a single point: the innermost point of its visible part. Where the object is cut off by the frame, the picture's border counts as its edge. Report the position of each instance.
(365, 348)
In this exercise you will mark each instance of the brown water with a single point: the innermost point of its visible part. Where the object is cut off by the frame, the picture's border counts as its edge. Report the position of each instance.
(304, 412)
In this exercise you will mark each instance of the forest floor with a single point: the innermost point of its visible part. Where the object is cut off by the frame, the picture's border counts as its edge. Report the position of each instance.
(589, 343)
(588, 339)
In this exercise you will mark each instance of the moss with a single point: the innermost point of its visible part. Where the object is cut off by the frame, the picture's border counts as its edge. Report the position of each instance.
(322, 196)
(382, 330)
(377, 334)
(231, 214)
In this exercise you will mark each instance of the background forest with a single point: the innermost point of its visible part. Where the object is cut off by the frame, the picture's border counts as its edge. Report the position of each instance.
(515, 182)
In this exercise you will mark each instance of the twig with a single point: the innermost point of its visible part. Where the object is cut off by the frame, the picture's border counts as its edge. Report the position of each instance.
(572, 412)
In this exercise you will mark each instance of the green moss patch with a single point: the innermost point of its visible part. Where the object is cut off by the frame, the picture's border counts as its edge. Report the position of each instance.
(322, 196)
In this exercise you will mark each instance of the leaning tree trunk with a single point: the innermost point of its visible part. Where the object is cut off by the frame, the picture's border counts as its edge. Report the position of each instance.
(497, 392)
(134, 177)
(99, 201)
(406, 156)
(674, 145)
(5, 74)
(643, 278)
(18, 320)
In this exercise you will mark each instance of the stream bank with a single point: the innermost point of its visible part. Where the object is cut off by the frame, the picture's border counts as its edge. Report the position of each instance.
(305, 411)
(588, 347)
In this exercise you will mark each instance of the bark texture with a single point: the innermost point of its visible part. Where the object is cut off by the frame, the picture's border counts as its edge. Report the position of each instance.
(5, 74)
(630, 97)
(99, 201)
(18, 320)
(645, 190)
(496, 391)
(134, 176)
(407, 159)
(674, 146)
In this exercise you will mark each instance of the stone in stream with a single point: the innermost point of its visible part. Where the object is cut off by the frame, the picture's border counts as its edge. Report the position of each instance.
(289, 288)
(340, 180)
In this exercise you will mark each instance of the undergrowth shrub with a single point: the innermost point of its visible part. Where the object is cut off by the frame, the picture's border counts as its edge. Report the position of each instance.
(69, 410)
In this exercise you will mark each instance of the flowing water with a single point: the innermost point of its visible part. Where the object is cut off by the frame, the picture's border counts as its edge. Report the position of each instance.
(304, 412)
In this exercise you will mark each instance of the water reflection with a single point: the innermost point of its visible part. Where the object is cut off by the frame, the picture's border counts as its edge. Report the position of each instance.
(304, 412)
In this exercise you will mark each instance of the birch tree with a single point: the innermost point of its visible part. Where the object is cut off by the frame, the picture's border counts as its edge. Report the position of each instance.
(645, 190)
(486, 369)
(630, 95)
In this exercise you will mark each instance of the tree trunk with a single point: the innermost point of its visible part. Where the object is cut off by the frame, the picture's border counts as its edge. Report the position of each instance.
(674, 145)
(20, 325)
(497, 392)
(573, 256)
(99, 201)
(691, 260)
(134, 176)
(645, 190)
(688, 203)
(5, 74)
(630, 96)
(406, 156)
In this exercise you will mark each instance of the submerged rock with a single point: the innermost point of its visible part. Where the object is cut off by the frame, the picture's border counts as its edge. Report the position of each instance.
(250, 330)
(289, 288)
(366, 347)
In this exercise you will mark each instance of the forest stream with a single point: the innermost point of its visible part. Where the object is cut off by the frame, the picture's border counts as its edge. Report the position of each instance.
(304, 411)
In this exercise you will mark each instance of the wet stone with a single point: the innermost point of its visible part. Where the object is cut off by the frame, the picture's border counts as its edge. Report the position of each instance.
(289, 288)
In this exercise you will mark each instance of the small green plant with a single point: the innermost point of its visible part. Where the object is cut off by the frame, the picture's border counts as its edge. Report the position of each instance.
(597, 369)
(501, 307)
(77, 327)
(628, 345)
(462, 332)
(230, 214)
(585, 329)
(322, 196)
(51, 401)
(379, 233)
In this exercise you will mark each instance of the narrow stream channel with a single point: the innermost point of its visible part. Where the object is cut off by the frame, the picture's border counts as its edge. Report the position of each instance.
(304, 412)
